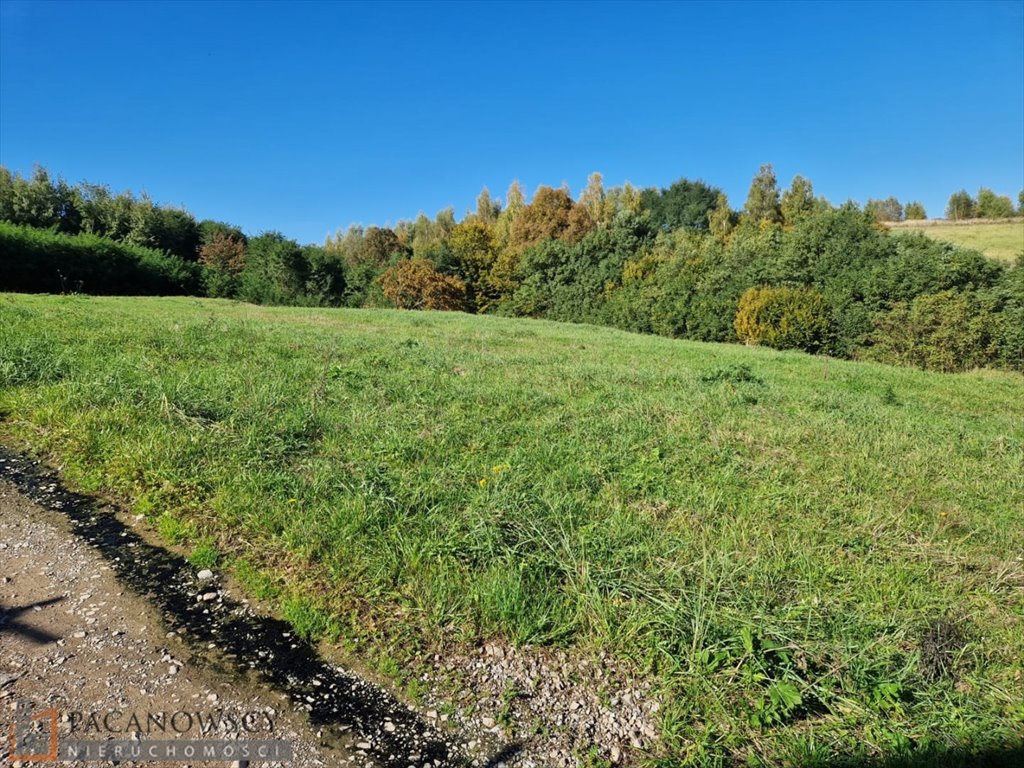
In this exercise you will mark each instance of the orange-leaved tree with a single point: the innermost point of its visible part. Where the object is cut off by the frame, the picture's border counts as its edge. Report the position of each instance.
(416, 284)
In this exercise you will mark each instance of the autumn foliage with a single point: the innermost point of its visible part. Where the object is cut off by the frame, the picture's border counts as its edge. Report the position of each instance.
(784, 318)
(416, 284)
(223, 252)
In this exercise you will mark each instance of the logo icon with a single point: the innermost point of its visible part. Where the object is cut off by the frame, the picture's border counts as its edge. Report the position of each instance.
(33, 735)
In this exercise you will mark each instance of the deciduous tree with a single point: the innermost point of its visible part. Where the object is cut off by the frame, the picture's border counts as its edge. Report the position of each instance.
(960, 206)
(889, 209)
(914, 211)
(545, 218)
(993, 206)
(222, 256)
(416, 284)
(763, 203)
(684, 204)
(721, 218)
(487, 210)
(797, 201)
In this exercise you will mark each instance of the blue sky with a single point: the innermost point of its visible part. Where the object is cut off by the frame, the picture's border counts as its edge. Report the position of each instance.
(307, 117)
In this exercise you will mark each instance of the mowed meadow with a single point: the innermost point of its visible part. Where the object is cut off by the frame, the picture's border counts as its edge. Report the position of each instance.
(1001, 240)
(813, 559)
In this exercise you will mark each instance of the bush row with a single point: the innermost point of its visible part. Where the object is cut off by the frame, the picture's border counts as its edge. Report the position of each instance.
(43, 261)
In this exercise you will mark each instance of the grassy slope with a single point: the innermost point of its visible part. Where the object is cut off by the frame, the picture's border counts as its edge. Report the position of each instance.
(1001, 240)
(440, 475)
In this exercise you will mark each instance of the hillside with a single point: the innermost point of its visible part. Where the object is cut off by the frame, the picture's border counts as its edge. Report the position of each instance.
(1003, 239)
(803, 558)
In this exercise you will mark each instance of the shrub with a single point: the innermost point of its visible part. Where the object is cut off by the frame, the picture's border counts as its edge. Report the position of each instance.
(222, 258)
(946, 331)
(784, 318)
(275, 271)
(42, 261)
(1009, 296)
(416, 284)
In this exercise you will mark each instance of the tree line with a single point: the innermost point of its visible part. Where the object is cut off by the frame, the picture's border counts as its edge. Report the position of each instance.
(788, 269)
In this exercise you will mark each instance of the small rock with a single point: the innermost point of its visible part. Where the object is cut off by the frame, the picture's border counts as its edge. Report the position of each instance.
(205, 575)
(488, 722)
(79, 635)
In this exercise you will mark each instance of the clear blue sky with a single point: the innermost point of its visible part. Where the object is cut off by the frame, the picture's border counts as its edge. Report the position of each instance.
(307, 117)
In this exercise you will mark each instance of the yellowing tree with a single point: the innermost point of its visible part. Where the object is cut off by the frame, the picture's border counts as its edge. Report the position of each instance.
(487, 210)
(416, 284)
(594, 201)
(475, 247)
(545, 218)
(763, 199)
(784, 318)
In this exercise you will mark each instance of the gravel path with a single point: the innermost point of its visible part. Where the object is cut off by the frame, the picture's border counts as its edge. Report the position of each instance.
(73, 638)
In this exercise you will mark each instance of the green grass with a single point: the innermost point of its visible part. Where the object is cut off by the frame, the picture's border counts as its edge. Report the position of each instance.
(769, 537)
(999, 240)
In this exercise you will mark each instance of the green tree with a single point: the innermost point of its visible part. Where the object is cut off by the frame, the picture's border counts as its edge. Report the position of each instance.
(993, 206)
(721, 219)
(684, 204)
(914, 211)
(797, 201)
(430, 237)
(946, 331)
(960, 206)
(7, 194)
(889, 209)
(275, 271)
(34, 202)
(763, 204)
(324, 277)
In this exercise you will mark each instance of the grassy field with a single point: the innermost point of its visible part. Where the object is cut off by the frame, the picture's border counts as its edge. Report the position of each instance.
(1003, 240)
(810, 558)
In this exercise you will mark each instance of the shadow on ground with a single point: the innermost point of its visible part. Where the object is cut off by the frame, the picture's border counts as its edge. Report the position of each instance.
(9, 622)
